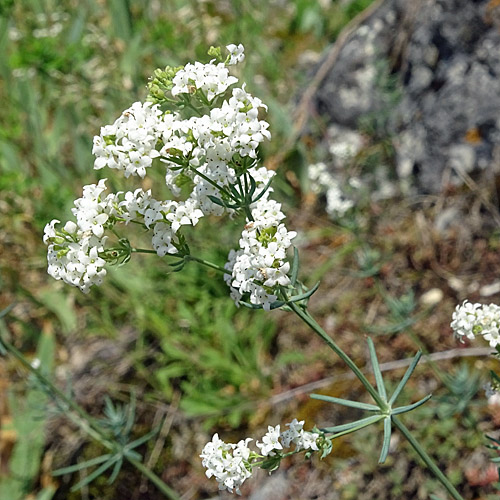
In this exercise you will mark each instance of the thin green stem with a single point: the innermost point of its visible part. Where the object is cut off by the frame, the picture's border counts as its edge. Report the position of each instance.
(427, 459)
(311, 322)
(143, 250)
(207, 264)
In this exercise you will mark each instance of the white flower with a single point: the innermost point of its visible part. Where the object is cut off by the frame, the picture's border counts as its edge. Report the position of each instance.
(302, 439)
(77, 263)
(236, 52)
(469, 320)
(129, 144)
(270, 441)
(212, 79)
(227, 462)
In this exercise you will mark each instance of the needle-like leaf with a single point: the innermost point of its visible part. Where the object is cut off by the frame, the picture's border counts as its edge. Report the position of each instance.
(387, 440)
(376, 370)
(82, 465)
(404, 409)
(345, 402)
(351, 425)
(407, 375)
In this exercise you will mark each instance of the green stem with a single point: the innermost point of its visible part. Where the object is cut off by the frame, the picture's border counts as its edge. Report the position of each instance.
(427, 459)
(207, 264)
(311, 322)
(143, 250)
(85, 421)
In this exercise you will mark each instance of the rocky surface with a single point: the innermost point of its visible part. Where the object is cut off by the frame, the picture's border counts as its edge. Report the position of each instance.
(426, 74)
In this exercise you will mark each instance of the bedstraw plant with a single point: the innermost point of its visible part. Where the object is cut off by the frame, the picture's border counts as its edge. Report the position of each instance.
(205, 130)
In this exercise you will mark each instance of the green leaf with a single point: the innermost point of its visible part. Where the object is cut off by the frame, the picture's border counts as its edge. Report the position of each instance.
(404, 409)
(116, 471)
(351, 425)
(405, 378)
(306, 295)
(387, 440)
(98, 472)
(345, 402)
(376, 370)
(82, 465)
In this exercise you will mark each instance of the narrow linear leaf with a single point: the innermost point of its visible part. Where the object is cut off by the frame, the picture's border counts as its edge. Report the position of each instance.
(116, 470)
(98, 472)
(345, 427)
(263, 192)
(216, 200)
(142, 439)
(376, 370)
(387, 440)
(345, 402)
(404, 409)
(82, 465)
(306, 295)
(407, 375)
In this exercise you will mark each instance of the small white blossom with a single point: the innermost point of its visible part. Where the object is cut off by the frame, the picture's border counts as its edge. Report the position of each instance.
(470, 320)
(237, 53)
(227, 462)
(211, 79)
(270, 441)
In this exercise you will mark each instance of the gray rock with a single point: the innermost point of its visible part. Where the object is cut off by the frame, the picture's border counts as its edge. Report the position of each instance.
(445, 55)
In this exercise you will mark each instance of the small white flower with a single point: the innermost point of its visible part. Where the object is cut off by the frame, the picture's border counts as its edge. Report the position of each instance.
(236, 52)
(470, 320)
(270, 441)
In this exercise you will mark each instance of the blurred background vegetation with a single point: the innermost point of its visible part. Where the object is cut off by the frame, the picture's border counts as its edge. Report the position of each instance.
(175, 339)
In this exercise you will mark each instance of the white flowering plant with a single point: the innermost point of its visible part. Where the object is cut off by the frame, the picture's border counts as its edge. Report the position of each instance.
(472, 320)
(204, 132)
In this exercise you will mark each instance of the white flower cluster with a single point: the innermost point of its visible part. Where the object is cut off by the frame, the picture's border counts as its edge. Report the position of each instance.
(470, 320)
(208, 145)
(211, 79)
(228, 462)
(274, 440)
(322, 181)
(231, 464)
(73, 253)
(129, 144)
(260, 264)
